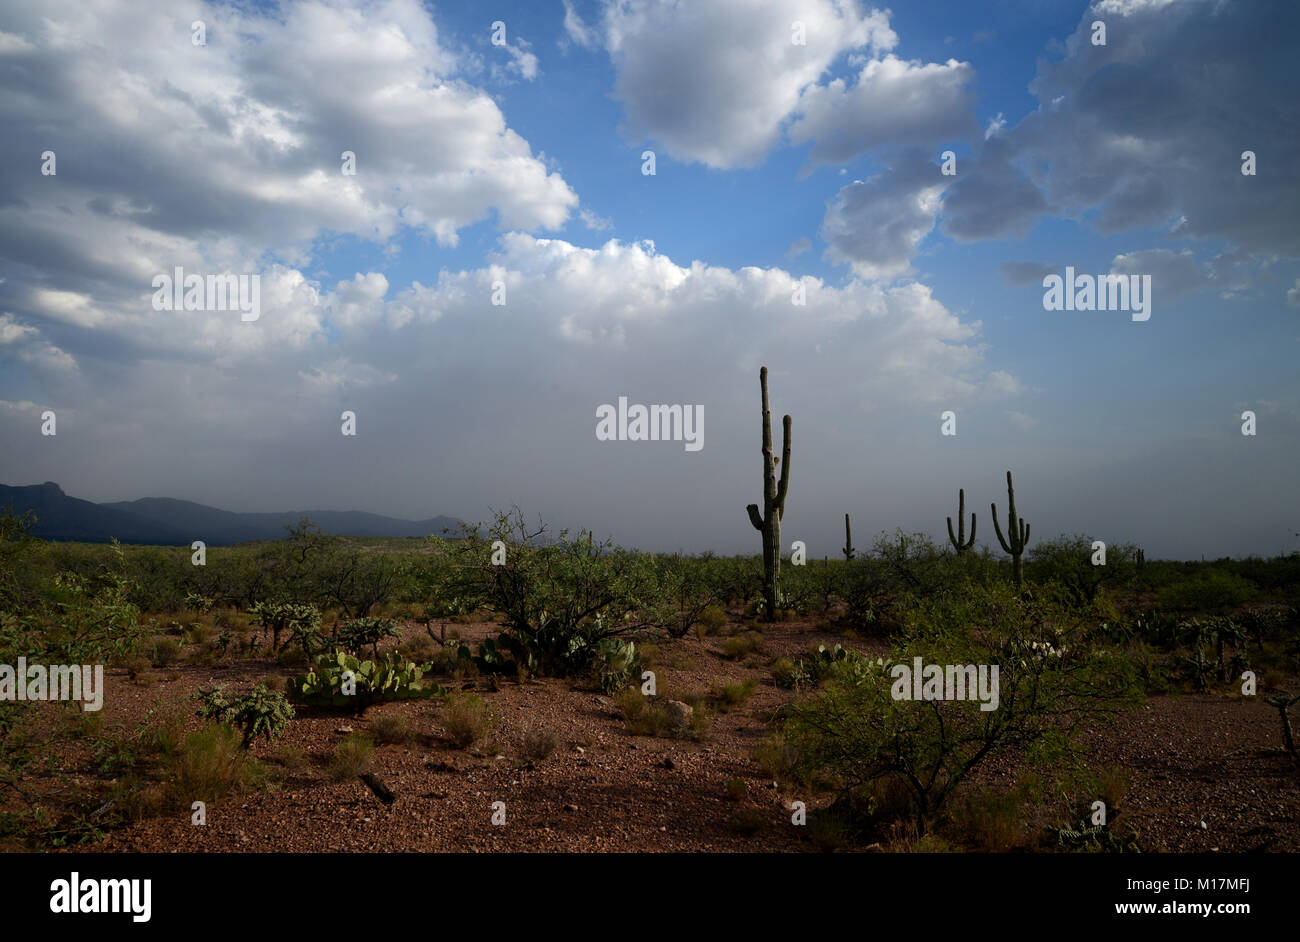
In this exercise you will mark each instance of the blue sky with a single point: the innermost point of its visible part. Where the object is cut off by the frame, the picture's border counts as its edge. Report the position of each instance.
(478, 162)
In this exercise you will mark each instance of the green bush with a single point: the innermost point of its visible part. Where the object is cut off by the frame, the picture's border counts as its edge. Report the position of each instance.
(351, 758)
(210, 764)
(466, 719)
(1053, 684)
(558, 600)
(1209, 592)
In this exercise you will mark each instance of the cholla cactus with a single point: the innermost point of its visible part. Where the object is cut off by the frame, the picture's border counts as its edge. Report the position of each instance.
(774, 491)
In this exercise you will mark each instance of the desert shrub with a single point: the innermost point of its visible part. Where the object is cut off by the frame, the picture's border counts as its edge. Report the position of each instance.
(783, 672)
(729, 696)
(203, 655)
(539, 742)
(466, 719)
(801, 588)
(685, 591)
(644, 717)
(558, 600)
(1210, 592)
(1067, 561)
(858, 729)
(990, 819)
(735, 789)
(256, 713)
(135, 667)
(746, 821)
(711, 620)
(89, 619)
(351, 758)
(209, 764)
(356, 581)
(740, 645)
(290, 758)
(164, 652)
(390, 730)
(291, 656)
(422, 649)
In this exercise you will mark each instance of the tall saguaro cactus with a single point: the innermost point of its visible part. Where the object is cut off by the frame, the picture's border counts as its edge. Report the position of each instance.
(848, 539)
(959, 541)
(1019, 531)
(769, 523)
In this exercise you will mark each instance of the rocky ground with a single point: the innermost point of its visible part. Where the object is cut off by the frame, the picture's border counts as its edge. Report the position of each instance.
(1206, 772)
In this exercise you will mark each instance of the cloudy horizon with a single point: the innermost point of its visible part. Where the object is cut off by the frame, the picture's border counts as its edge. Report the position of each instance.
(501, 264)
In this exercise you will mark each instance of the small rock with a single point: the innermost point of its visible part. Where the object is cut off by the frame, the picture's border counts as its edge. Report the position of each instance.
(570, 807)
(1204, 826)
(343, 730)
(679, 714)
(579, 750)
(668, 764)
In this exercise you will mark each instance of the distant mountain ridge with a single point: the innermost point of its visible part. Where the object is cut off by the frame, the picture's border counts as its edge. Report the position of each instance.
(165, 521)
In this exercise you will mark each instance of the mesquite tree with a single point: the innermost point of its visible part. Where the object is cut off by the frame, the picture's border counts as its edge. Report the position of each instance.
(1019, 531)
(774, 490)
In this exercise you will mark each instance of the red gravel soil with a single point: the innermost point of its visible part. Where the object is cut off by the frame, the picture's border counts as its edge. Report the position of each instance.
(1207, 773)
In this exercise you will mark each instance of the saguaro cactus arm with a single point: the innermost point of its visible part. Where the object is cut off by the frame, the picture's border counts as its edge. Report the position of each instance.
(1016, 526)
(769, 470)
(784, 484)
(993, 509)
(1018, 530)
(958, 540)
(754, 517)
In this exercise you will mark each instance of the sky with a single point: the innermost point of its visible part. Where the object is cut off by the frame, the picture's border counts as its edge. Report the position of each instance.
(500, 263)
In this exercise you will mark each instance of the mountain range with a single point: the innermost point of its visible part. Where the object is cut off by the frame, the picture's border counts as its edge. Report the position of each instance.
(163, 521)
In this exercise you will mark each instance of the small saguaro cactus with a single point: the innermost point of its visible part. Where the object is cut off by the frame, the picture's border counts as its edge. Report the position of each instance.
(769, 523)
(1019, 531)
(848, 539)
(959, 541)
